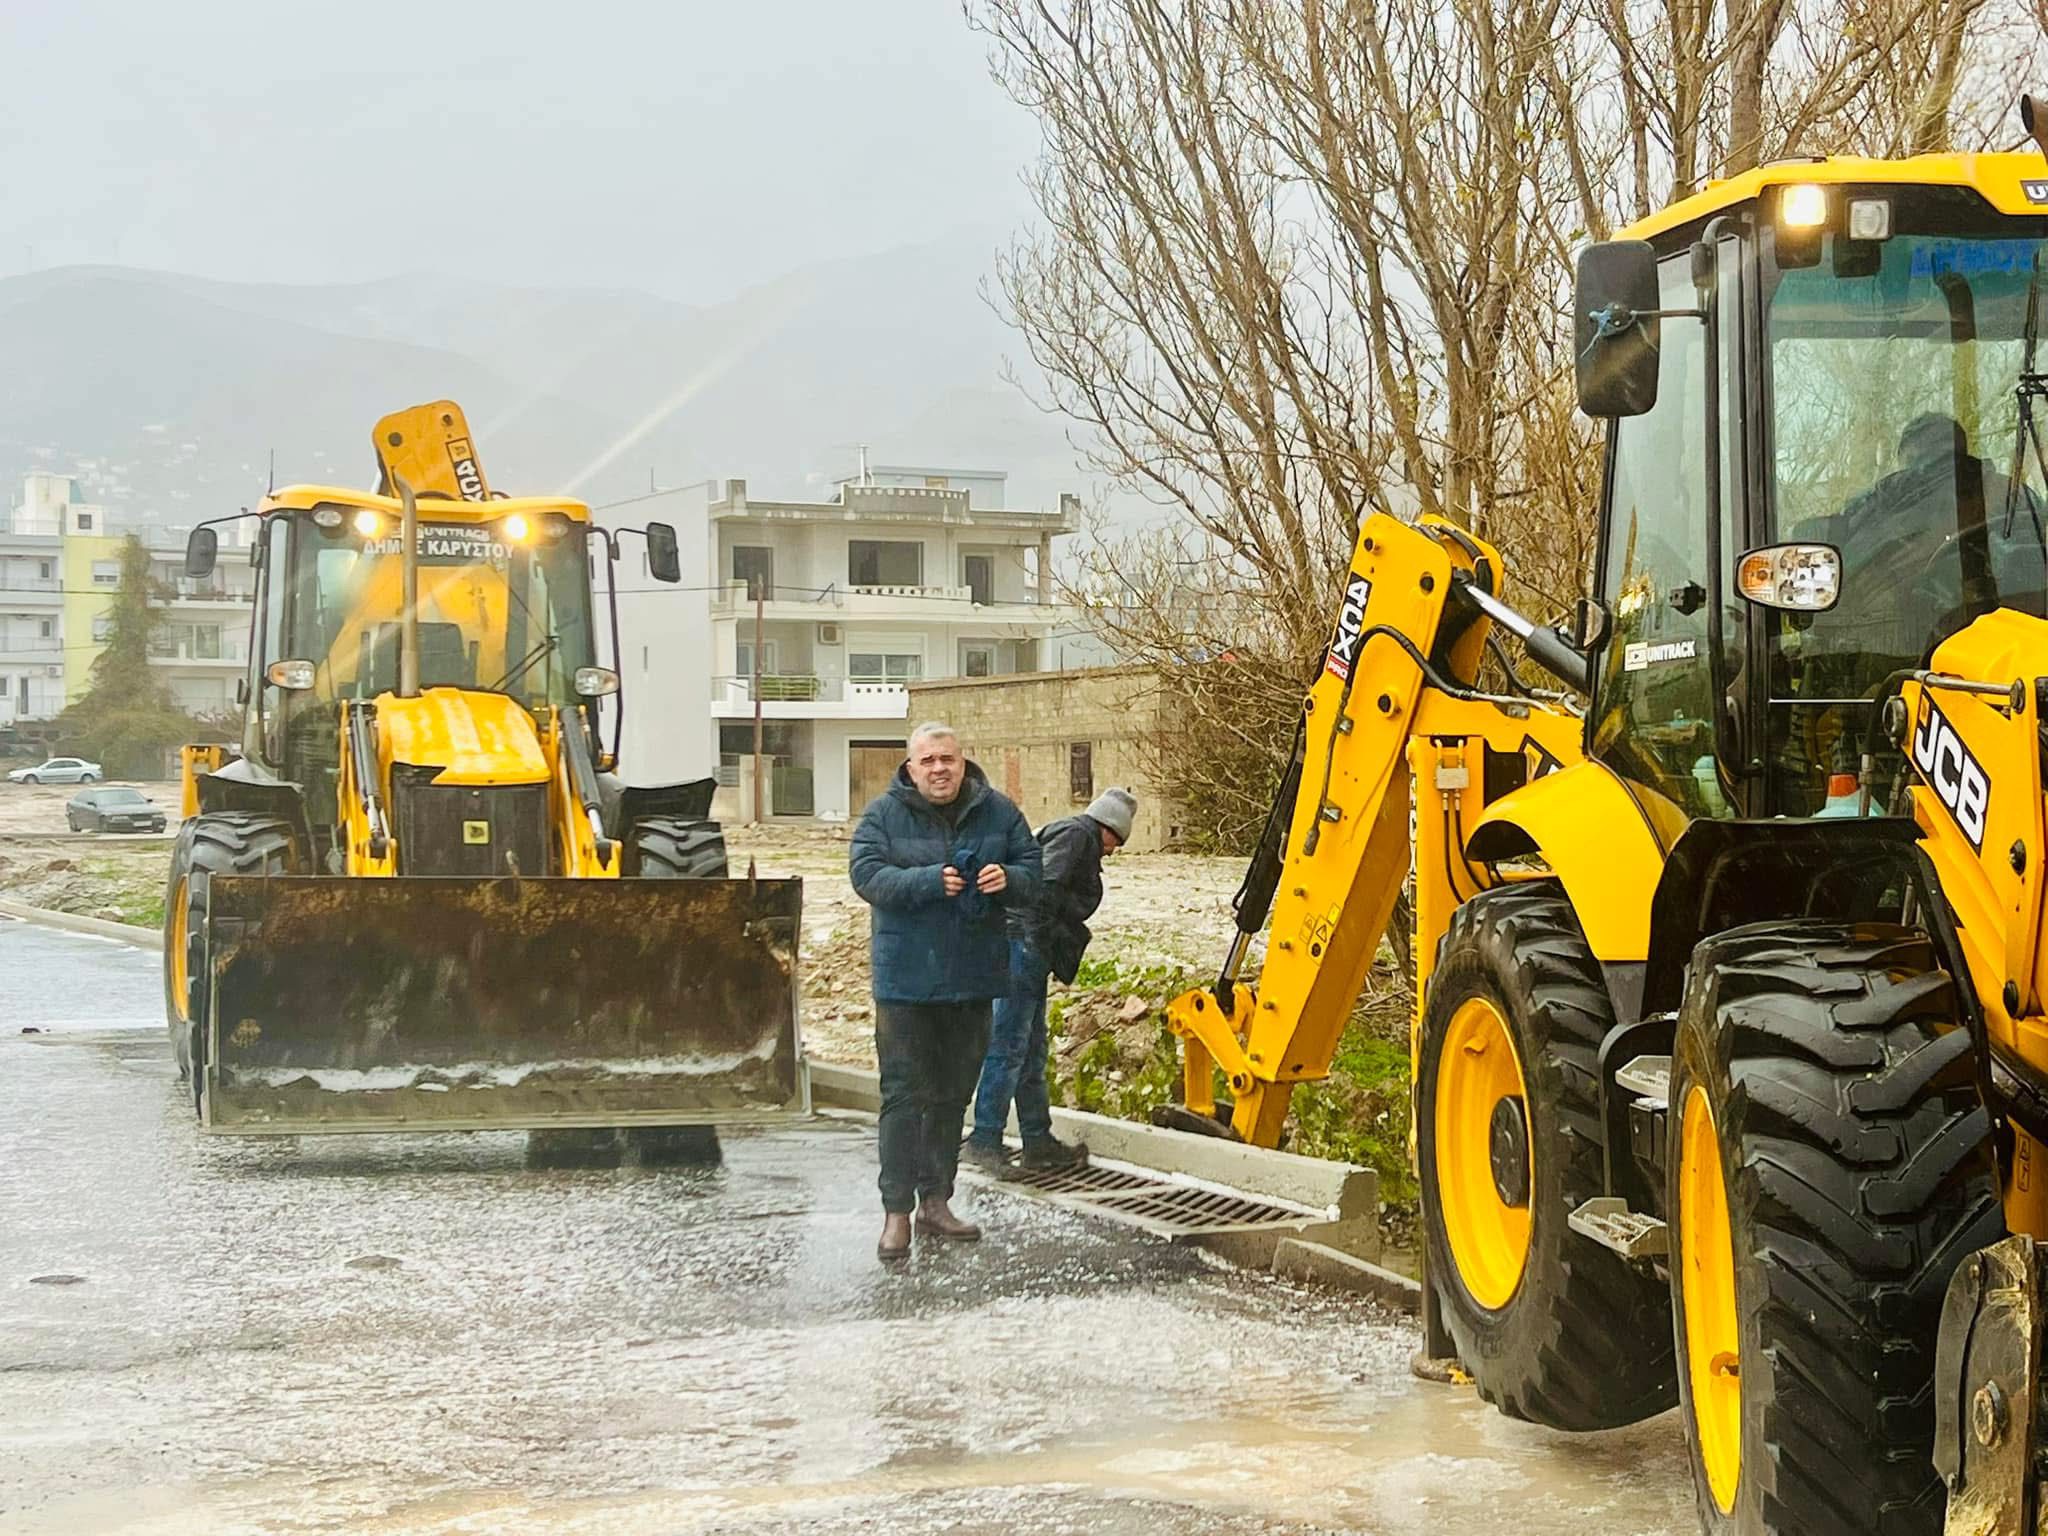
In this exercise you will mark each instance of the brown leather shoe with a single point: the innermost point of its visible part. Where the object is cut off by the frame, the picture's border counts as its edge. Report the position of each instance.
(895, 1244)
(936, 1219)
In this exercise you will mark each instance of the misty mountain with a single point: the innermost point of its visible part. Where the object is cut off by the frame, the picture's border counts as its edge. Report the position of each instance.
(168, 394)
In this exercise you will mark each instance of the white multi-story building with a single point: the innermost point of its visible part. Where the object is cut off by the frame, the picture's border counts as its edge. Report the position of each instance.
(31, 628)
(60, 568)
(905, 575)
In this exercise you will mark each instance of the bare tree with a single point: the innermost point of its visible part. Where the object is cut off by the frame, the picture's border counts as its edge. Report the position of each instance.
(1304, 259)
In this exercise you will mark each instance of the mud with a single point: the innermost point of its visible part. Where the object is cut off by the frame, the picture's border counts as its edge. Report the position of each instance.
(412, 1335)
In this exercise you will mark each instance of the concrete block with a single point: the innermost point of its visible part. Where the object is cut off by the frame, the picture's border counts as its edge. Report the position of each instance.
(839, 1087)
(71, 922)
(1346, 1190)
(1300, 1259)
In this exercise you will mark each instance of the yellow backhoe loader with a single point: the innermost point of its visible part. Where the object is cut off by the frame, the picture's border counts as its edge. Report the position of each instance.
(1731, 1040)
(421, 897)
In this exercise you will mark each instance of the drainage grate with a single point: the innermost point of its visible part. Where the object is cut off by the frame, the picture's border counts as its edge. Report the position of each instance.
(1090, 1180)
(1164, 1207)
(1180, 1210)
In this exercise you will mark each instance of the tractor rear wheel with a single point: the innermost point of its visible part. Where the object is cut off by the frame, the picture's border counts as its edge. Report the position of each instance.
(668, 848)
(1830, 1164)
(216, 843)
(1552, 1326)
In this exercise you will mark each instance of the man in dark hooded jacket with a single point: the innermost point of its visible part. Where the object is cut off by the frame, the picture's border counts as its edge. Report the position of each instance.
(939, 859)
(1048, 936)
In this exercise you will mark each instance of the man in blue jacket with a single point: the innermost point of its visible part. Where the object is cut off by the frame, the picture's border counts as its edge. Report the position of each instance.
(938, 858)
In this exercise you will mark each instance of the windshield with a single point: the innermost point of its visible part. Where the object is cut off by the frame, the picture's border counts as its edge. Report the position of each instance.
(492, 614)
(1897, 376)
(120, 797)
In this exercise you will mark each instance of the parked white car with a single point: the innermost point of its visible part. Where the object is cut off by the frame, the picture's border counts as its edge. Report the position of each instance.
(58, 770)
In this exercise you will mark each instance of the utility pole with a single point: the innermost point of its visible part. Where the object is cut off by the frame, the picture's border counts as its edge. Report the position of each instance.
(760, 602)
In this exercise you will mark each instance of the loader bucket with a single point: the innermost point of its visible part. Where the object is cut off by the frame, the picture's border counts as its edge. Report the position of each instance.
(428, 1004)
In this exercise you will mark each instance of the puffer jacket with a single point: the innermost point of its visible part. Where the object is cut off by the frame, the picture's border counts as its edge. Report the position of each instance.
(1054, 924)
(929, 947)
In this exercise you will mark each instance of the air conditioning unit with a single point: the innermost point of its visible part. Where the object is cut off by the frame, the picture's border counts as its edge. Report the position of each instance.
(828, 634)
(53, 671)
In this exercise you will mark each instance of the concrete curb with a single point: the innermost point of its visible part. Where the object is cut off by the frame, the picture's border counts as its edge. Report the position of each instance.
(1347, 1193)
(98, 928)
(1298, 1259)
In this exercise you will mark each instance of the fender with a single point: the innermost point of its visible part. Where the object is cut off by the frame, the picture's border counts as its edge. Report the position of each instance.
(1593, 834)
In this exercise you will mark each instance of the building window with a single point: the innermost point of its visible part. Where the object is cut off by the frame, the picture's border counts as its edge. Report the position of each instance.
(884, 667)
(1081, 770)
(44, 569)
(936, 482)
(884, 563)
(978, 661)
(102, 627)
(755, 565)
(48, 629)
(106, 573)
(771, 657)
(85, 522)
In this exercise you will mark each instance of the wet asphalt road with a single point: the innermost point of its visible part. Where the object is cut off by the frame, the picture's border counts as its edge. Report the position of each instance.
(420, 1335)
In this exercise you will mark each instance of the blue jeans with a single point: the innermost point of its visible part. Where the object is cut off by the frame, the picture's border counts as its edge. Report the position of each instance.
(1015, 1067)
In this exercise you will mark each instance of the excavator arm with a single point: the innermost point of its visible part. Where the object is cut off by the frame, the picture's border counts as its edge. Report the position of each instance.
(1393, 705)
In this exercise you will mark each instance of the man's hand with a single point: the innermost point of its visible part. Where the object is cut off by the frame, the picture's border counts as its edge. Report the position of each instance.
(992, 879)
(950, 878)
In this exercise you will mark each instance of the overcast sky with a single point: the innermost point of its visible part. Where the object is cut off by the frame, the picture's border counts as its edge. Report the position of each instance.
(684, 147)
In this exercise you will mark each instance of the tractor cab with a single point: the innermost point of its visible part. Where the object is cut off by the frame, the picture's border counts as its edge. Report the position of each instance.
(1826, 459)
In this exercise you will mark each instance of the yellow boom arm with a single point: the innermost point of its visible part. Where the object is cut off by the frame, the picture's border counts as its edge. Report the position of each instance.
(1393, 705)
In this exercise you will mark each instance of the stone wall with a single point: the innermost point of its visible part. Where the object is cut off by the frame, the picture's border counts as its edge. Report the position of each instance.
(1024, 731)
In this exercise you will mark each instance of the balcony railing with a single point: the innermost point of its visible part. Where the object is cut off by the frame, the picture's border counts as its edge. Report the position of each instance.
(803, 688)
(38, 645)
(226, 652)
(738, 596)
(30, 584)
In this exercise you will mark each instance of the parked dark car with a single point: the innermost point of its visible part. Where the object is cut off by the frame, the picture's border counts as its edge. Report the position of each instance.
(112, 810)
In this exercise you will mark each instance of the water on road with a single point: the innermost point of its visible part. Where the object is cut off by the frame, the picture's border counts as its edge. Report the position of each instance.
(415, 1335)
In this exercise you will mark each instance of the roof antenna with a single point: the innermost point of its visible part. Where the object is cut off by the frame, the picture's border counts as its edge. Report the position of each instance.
(2034, 118)
(271, 489)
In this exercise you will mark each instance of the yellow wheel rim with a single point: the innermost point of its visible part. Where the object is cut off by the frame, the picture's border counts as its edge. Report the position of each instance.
(180, 996)
(1707, 1286)
(1477, 1069)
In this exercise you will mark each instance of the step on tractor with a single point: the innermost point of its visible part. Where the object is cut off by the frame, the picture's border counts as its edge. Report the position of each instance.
(1731, 1035)
(425, 895)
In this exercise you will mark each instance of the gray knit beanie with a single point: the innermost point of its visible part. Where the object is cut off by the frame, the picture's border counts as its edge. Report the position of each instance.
(1114, 808)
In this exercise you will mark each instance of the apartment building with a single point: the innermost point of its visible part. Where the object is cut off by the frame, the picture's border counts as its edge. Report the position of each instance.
(839, 606)
(60, 568)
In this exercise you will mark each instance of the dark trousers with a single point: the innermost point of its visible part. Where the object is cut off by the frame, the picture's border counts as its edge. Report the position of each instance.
(930, 1055)
(1015, 1067)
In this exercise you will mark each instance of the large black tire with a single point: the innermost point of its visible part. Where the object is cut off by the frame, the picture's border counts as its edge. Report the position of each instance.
(669, 848)
(1858, 1170)
(217, 842)
(1584, 1340)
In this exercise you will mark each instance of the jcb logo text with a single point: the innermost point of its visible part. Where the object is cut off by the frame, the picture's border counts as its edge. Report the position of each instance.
(1952, 773)
(1350, 620)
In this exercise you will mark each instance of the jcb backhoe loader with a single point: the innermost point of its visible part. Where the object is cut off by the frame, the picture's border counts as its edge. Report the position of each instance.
(1731, 1040)
(421, 898)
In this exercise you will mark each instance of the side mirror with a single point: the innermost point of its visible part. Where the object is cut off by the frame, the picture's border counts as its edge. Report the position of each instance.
(1615, 328)
(201, 550)
(1589, 624)
(664, 558)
